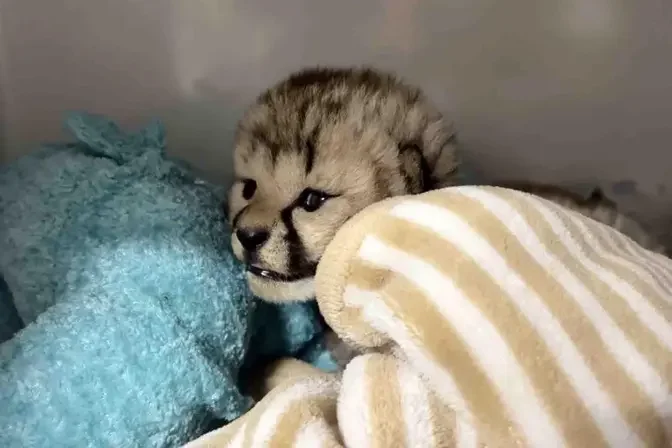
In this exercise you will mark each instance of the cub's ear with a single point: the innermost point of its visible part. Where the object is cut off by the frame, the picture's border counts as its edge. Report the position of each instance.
(414, 168)
(597, 195)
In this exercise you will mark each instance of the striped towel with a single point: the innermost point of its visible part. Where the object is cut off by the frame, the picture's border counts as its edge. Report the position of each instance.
(495, 319)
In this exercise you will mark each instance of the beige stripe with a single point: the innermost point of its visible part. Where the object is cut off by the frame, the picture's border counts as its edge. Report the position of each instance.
(368, 276)
(282, 372)
(349, 320)
(335, 267)
(444, 346)
(646, 342)
(635, 281)
(386, 426)
(548, 379)
(657, 265)
(609, 239)
(253, 417)
(298, 414)
(633, 403)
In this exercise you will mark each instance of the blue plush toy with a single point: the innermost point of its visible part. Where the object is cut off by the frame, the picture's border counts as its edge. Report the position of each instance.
(138, 317)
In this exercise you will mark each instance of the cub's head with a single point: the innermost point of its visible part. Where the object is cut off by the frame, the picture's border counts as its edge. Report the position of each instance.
(314, 150)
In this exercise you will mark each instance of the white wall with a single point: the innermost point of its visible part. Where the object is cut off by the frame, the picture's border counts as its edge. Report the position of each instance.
(557, 90)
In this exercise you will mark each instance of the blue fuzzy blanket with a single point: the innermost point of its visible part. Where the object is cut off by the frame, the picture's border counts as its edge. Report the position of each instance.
(138, 318)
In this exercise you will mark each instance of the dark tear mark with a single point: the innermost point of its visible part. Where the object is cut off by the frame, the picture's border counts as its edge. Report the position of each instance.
(296, 253)
(297, 257)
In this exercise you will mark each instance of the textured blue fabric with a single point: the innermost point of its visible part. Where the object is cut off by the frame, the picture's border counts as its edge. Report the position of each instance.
(139, 319)
(315, 352)
(289, 329)
(282, 328)
(10, 322)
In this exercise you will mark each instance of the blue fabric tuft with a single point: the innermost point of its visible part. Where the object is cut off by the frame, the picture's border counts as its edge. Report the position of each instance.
(139, 319)
(282, 328)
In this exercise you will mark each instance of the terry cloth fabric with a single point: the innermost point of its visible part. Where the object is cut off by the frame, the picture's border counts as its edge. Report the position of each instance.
(138, 316)
(496, 319)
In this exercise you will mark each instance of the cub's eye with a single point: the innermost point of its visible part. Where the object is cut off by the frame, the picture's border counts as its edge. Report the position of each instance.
(311, 200)
(249, 188)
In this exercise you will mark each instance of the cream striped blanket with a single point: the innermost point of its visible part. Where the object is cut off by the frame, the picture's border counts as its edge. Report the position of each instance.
(490, 318)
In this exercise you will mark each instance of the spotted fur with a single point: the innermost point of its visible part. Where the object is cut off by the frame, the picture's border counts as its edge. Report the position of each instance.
(348, 137)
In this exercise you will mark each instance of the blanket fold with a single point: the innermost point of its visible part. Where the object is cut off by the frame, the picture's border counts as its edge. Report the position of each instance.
(489, 317)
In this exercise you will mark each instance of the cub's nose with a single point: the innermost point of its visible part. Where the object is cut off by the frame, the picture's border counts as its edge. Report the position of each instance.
(252, 239)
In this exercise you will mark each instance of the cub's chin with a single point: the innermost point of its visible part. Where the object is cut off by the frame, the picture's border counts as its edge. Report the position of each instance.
(279, 288)
(279, 291)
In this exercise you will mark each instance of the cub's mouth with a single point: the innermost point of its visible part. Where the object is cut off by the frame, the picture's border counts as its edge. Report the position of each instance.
(278, 276)
(274, 286)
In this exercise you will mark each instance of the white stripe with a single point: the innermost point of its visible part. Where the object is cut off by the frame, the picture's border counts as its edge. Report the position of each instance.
(488, 348)
(611, 335)
(654, 260)
(452, 228)
(415, 408)
(305, 389)
(662, 263)
(647, 314)
(653, 385)
(354, 421)
(657, 265)
(379, 316)
(612, 253)
(239, 438)
(314, 434)
(620, 244)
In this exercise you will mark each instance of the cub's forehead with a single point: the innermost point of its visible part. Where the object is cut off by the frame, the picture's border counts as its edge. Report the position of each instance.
(282, 179)
(270, 128)
(305, 139)
(270, 136)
